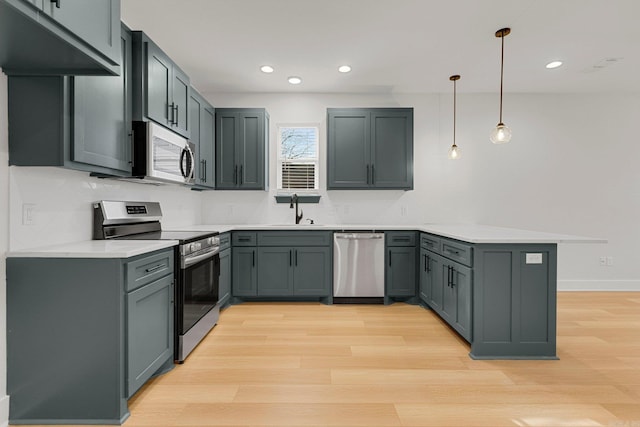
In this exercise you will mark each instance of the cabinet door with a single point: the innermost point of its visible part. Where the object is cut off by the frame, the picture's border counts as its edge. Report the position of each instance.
(159, 69)
(195, 109)
(425, 266)
(244, 278)
(392, 149)
(227, 127)
(102, 116)
(401, 271)
(149, 331)
(312, 271)
(275, 270)
(250, 150)
(436, 281)
(97, 22)
(207, 142)
(449, 304)
(349, 164)
(462, 284)
(180, 102)
(224, 287)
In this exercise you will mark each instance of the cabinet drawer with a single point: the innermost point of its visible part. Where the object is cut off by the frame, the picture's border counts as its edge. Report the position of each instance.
(225, 241)
(432, 243)
(294, 238)
(148, 268)
(458, 252)
(400, 238)
(244, 238)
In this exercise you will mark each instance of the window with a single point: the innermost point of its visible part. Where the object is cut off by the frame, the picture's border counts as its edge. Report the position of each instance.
(298, 157)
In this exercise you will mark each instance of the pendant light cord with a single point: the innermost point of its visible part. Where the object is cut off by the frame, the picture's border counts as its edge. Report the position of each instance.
(501, 74)
(454, 112)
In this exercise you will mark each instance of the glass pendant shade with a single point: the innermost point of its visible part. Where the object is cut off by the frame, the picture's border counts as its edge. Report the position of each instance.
(500, 134)
(454, 152)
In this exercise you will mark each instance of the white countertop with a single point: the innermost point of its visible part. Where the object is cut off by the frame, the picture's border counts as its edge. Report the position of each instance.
(466, 232)
(129, 248)
(95, 249)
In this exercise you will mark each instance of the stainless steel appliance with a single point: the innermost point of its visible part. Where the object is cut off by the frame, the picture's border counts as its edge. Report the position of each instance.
(358, 267)
(162, 155)
(197, 265)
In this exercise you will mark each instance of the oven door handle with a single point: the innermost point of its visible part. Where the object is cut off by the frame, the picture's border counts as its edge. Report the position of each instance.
(187, 262)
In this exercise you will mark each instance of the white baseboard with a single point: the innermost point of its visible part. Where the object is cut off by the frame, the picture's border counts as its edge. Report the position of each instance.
(4, 411)
(599, 285)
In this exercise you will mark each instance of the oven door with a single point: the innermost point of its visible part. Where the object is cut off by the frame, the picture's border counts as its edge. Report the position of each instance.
(197, 290)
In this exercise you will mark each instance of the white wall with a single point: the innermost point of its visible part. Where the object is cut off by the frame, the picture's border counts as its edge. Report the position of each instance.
(570, 168)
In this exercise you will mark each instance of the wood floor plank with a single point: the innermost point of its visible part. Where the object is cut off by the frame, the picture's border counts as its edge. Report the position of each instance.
(302, 414)
(495, 415)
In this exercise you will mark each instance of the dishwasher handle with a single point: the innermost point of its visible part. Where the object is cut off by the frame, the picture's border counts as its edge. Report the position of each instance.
(359, 236)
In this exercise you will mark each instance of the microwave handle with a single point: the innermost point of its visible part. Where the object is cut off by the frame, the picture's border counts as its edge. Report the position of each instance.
(188, 155)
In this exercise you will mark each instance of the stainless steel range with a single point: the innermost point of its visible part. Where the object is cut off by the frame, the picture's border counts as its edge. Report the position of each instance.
(197, 265)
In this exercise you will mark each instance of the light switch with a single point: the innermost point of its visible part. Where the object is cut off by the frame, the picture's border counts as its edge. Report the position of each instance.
(534, 258)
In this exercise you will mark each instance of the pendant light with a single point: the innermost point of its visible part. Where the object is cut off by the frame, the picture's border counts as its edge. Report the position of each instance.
(454, 151)
(501, 133)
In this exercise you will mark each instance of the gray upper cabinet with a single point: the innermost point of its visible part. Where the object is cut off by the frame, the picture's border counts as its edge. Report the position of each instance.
(83, 122)
(242, 139)
(202, 125)
(161, 88)
(370, 148)
(66, 37)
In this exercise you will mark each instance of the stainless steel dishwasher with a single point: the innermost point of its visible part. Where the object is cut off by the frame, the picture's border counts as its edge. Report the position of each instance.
(358, 267)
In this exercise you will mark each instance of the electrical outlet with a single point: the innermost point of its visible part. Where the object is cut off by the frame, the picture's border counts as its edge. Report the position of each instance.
(28, 214)
(403, 211)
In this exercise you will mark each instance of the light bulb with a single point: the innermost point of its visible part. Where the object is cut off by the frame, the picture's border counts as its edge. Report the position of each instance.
(454, 152)
(500, 134)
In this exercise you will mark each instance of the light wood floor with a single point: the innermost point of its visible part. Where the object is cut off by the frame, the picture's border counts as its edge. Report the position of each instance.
(307, 364)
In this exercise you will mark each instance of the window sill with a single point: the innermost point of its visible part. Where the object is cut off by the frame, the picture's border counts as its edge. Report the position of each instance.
(302, 198)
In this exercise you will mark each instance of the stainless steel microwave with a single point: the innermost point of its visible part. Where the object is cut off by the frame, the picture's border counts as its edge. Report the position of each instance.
(162, 155)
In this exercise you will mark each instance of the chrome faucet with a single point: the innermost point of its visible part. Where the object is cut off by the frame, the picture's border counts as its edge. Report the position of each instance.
(294, 199)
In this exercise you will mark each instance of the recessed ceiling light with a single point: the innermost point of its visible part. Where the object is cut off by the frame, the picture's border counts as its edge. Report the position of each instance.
(554, 64)
(295, 80)
(344, 68)
(266, 69)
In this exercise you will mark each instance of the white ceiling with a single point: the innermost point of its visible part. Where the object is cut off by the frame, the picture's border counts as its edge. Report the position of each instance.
(400, 46)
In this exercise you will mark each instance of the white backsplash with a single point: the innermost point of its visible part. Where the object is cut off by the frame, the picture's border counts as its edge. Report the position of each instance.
(62, 203)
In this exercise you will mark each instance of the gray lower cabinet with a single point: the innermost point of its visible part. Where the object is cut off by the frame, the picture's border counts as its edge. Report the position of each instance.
(370, 148)
(272, 264)
(161, 89)
(224, 289)
(242, 140)
(83, 122)
(149, 331)
(498, 298)
(400, 269)
(455, 307)
(83, 334)
(65, 37)
(294, 271)
(202, 130)
(244, 272)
